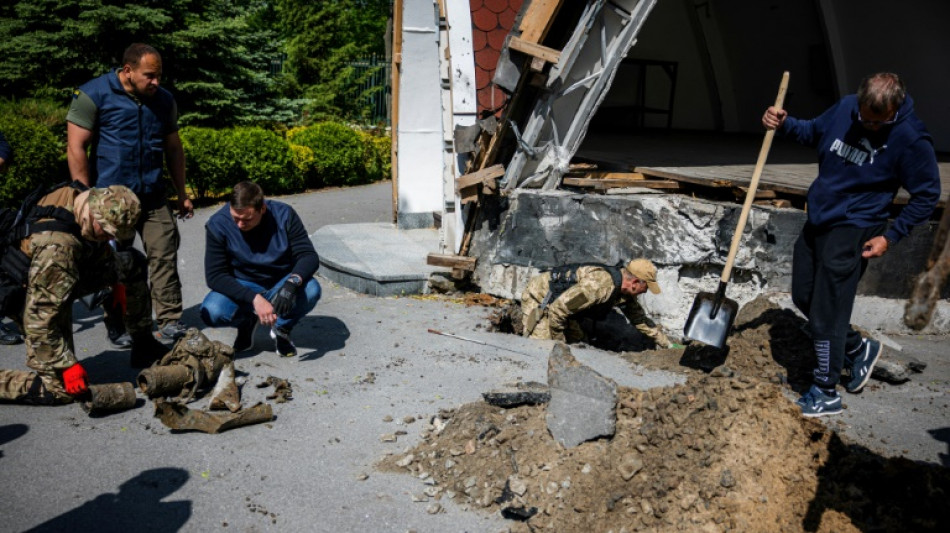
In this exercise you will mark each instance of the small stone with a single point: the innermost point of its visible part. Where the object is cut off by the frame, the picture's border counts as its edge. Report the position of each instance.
(516, 485)
(389, 437)
(629, 465)
(470, 447)
(419, 498)
(408, 420)
(449, 464)
(406, 461)
(726, 479)
(435, 508)
(387, 418)
(586, 469)
(362, 477)
(470, 482)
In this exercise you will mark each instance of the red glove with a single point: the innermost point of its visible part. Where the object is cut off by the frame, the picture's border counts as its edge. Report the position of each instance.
(74, 378)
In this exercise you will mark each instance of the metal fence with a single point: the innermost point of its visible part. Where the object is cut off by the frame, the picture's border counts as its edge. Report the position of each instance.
(370, 81)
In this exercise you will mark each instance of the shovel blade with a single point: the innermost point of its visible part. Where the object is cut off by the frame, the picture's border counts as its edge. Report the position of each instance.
(707, 324)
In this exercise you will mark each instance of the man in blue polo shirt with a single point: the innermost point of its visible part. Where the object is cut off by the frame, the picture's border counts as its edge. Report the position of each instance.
(130, 126)
(259, 265)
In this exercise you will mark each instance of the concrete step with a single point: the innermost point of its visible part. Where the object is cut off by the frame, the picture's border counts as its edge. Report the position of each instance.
(376, 258)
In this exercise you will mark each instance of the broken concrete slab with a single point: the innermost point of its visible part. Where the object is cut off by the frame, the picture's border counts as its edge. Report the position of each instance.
(521, 393)
(583, 402)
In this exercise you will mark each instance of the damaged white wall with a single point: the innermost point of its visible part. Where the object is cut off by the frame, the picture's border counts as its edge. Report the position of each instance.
(419, 160)
(688, 239)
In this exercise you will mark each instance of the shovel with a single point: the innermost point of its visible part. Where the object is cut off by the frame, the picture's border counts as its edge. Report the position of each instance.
(712, 315)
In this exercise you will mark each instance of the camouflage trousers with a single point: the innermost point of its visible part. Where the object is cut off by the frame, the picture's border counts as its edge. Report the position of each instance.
(39, 388)
(537, 323)
(63, 269)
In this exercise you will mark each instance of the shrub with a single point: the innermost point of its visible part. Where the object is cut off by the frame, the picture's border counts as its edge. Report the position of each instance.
(266, 158)
(378, 159)
(338, 154)
(38, 158)
(209, 156)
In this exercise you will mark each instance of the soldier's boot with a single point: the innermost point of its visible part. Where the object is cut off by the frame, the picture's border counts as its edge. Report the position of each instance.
(146, 350)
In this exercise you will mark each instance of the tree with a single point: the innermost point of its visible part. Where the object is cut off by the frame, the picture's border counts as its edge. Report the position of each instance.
(216, 53)
(323, 40)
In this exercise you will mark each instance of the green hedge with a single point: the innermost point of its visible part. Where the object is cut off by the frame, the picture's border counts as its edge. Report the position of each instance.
(339, 154)
(210, 165)
(38, 158)
(326, 154)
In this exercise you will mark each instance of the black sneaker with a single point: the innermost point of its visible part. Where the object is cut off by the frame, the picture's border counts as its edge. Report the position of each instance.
(816, 402)
(119, 338)
(282, 343)
(245, 335)
(863, 365)
(173, 330)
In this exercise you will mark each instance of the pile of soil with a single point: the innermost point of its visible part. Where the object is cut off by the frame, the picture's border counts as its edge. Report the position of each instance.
(727, 450)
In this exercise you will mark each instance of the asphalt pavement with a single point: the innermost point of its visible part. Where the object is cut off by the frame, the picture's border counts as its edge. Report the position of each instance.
(365, 365)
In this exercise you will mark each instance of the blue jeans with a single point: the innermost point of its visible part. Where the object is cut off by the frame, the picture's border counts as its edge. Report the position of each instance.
(217, 310)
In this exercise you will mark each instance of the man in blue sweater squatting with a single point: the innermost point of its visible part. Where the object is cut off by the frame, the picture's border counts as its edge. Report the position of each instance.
(259, 265)
(869, 145)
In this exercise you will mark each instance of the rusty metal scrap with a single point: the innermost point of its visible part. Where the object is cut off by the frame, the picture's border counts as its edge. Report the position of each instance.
(178, 417)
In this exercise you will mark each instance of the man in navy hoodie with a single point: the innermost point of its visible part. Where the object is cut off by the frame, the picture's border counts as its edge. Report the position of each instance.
(869, 145)
(259, 265)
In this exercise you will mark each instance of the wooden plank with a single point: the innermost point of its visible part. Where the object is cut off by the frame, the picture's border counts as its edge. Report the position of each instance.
(451, 261)
(468, 194)
(607, 175)
(617, 183)
(534, 50)
(478, 177)
(538, 18)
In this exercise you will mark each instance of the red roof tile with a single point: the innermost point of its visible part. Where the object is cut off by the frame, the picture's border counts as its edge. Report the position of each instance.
(497, 6)
(496, 38)
(515, 5)
(484, 20)
(507, 18)
(475, 5)
(490, 98)
(487, 58)
(479, 39)
(482, 77)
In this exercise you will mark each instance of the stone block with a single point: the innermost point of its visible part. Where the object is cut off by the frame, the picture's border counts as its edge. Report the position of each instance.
(583, 402)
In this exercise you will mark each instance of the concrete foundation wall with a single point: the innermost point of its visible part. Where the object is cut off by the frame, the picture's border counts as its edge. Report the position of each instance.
(688, 239)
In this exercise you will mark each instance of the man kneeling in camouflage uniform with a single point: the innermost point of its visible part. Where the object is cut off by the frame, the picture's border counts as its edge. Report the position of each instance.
(64, 265)
(554, 301)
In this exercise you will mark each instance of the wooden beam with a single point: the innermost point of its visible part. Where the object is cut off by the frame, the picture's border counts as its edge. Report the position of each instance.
(452, 261)
(538, 18)
(534, 50)
(478, 177)
(394, 105)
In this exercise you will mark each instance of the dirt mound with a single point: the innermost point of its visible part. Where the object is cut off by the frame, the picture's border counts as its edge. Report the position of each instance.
(727, 450)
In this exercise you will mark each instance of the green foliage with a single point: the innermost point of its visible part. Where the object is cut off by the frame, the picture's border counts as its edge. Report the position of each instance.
(378, 159)
(267, 159)
(323, 40)
(216, 53)
(38, 158)
(211, 166)
(338, 154)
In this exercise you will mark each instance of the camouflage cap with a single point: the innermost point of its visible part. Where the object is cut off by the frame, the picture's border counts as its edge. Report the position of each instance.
(644, 270)
(116, 209)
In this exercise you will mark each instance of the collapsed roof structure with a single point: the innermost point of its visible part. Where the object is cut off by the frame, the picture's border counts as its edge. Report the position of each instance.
(495, 98)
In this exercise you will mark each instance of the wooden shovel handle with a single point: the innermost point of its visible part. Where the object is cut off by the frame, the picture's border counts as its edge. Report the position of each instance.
(754, 184)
